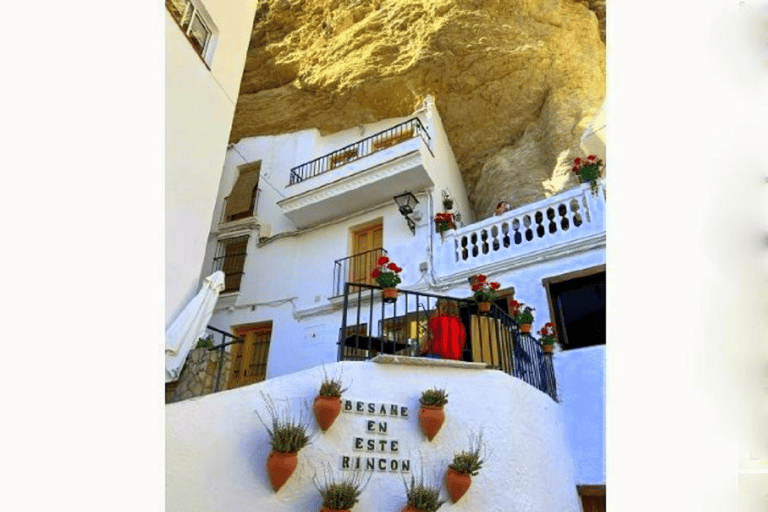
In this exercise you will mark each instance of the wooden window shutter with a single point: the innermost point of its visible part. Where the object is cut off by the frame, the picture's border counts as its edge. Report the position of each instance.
(240, 199)
(249, 363)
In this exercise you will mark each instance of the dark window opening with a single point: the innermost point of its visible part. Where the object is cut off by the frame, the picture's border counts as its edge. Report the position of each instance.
(579, 310)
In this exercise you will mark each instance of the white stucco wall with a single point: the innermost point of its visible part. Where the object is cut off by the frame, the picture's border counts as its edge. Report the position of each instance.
(581, 391)
(216, 448)
(200, 104)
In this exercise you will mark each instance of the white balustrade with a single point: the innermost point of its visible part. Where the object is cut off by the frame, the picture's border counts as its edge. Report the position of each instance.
(566, 217)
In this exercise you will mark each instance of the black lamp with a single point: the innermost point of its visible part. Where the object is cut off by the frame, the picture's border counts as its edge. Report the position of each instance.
(406, 203)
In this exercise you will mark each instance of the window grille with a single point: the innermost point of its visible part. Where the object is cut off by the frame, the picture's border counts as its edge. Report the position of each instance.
(230, 259)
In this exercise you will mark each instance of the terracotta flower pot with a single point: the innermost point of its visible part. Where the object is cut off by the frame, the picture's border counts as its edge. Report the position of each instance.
(326, 410)
(525, 327)
(410, 508)
(326, 509)
(484, 307)
(280, 467)
(457, 483)
(389, 294)
(548, 348)
(431, 419)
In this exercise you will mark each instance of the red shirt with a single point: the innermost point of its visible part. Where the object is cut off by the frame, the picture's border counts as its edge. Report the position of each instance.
(448, 336)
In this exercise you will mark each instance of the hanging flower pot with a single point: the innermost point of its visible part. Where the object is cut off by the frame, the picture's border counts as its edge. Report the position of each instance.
(457, 483)
(525, 328)
(410, 508)
(522, 314)
(326, 509)
(389, 294)
(280, 467)
(484, 307)
(465, 465)
(548, 348)
(326, 409)
(327, 405)
(484, 292)
(431, 414)
(548, 338)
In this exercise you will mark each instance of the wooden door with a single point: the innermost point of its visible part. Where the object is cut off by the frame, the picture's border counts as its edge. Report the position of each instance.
(249, 359)
(363, 261)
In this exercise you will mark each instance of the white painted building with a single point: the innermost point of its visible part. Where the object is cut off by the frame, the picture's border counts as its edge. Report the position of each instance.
(294, 209)
(205, 44)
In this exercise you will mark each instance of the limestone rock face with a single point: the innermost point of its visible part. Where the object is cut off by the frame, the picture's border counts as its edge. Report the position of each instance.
(515, 81)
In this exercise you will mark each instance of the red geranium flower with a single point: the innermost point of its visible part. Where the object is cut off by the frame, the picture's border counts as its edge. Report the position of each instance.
(576, 170)
(481, 278)
(577, 161)
(383, 260)
(375, 273)
(476, 287)
(495, 285)
(591, 157)
(392, 266)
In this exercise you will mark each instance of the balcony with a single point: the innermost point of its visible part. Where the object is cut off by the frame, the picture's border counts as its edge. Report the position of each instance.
(356, 269)
(370, 328)
(241, 220)
(572, 220)
(363, 174)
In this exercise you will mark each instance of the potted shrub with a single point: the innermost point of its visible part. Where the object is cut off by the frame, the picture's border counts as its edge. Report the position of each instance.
(484, 292)
(522, 314)
(386, 275)
(206, 342)
(588, 170)
(341, 496)
(548, 337)
(328, 402)
(286, 436)
(443, 222)
(431, 414)
(465, 465)
(422, 497)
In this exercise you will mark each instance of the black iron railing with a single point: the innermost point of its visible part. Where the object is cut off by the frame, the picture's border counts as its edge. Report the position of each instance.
(220, 347)
(251, 211)
(367, 146)
(371, 326)
(356, 269)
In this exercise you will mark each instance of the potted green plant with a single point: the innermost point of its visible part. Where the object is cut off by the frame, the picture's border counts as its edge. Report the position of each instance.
(464, 466)
(484, 292)
(287, 435)
(205, 342)
(548, 337)
(327, 404)
(522, 314)
(443, 222)
(588, 170)
(341, 496)
(431, 414)
(386, 275)
(421, 496)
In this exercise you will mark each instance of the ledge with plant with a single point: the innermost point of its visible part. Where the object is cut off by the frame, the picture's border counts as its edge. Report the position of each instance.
(465, 465)
(522, 314)
(287, 435)
(431, 414)
(386, 276)
(548, 337)
(484, 292)
(588, 170)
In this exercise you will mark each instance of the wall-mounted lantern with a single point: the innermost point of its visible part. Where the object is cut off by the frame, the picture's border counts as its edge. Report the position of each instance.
(406, 202)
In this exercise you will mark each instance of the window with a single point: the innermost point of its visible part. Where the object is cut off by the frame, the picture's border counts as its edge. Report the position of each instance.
(366, 250)
(231, 260)
(196, 25)
(249, 359)
(241, 201)
(577, 306)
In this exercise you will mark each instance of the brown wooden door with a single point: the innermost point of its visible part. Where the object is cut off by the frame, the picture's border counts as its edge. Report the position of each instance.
(364, 241)
(249, 359)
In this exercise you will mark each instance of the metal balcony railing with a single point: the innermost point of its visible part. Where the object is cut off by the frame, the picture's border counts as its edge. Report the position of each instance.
(220, 347)
(356, 269)
(371, 326)
(367, 146)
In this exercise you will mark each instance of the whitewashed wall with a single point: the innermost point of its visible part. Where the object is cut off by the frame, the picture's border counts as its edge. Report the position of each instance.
(581, 390)
(200, 104)
(216, 449)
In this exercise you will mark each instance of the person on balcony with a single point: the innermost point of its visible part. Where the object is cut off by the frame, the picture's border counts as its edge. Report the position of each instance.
(447, 333)
(502, 207)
